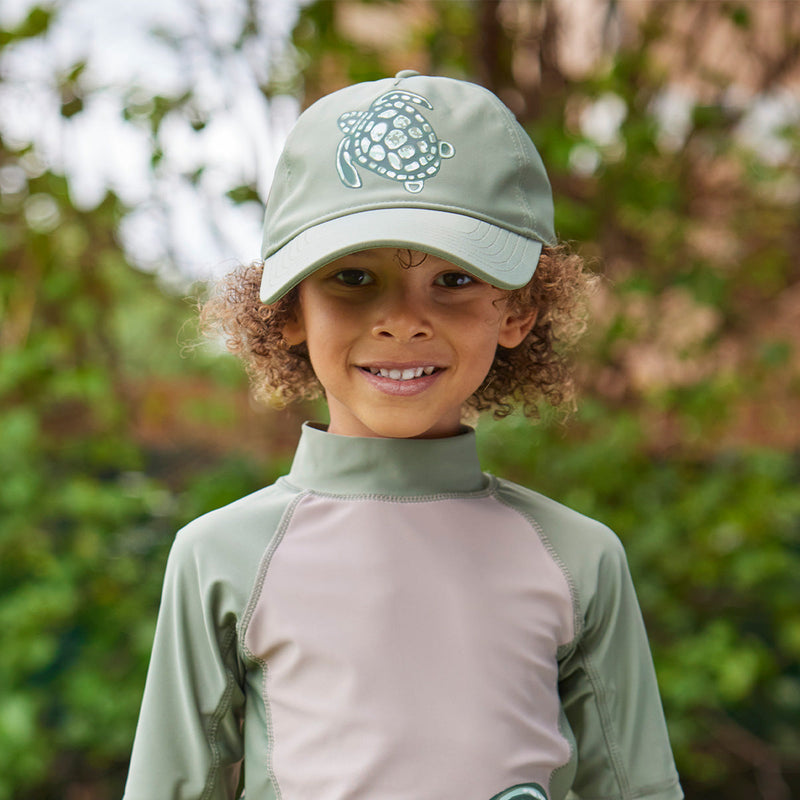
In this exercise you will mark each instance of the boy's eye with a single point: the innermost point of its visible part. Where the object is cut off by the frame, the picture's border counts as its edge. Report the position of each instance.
(454, 280)
(354, 277)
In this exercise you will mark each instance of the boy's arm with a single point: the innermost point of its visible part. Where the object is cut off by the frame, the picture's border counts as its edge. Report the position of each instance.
(610, 695)
(189, 741)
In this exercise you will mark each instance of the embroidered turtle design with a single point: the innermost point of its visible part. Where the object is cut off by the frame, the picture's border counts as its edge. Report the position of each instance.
(523, 791)
(392, 139)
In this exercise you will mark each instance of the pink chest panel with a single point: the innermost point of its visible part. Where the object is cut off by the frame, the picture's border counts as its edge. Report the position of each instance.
(410, 649)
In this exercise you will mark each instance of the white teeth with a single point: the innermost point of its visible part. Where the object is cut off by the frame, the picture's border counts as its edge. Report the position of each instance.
(403, 374)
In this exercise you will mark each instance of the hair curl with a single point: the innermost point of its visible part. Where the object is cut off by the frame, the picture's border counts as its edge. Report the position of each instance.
(537, 369)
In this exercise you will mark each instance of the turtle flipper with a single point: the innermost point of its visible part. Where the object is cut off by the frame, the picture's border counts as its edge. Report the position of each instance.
(446, 150)
(344, 166)
(348, 121)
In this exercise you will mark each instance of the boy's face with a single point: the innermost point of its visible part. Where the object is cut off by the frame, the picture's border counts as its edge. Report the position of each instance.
(399, 349)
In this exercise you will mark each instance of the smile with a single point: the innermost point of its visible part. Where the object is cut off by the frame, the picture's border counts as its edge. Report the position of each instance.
(401, 374)
(400, 381)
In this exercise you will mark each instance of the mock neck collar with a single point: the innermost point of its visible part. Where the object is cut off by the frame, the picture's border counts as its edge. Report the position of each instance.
(327, 462)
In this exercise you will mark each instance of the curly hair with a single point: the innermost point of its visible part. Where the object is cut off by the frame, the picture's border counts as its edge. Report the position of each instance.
(537, 369)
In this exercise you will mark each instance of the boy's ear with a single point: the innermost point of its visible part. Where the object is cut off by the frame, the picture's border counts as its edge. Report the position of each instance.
(294, 329)
(515, 327)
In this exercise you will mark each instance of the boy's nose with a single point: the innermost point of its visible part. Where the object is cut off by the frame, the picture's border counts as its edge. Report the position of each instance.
(402, 317)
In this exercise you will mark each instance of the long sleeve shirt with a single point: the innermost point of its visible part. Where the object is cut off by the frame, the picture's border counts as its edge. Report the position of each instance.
(387, 622)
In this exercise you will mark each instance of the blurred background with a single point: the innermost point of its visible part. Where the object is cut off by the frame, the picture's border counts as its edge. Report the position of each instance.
(137, 143)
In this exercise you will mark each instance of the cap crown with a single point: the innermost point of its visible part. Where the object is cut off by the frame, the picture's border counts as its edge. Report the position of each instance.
(411, 141)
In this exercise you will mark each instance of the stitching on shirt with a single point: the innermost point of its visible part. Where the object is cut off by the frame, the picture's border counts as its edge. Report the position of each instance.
(606, 724)
(216, 717)
(396, 498)
(255, 594)
(563, 723)
(577, 620)
(627, 792)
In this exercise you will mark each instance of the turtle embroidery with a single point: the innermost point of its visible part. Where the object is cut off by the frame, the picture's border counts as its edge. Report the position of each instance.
(523, 791)
(392, 139)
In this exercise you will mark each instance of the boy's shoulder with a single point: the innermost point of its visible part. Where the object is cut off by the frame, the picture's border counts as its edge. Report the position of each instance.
(589, 554)
(555, 518)
(240, 529)
(584, 546)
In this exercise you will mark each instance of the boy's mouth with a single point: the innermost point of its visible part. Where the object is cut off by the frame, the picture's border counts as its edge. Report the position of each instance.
(407, 374)
(400, 380)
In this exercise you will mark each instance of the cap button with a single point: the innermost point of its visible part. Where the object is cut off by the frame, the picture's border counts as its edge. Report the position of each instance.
(406, 73)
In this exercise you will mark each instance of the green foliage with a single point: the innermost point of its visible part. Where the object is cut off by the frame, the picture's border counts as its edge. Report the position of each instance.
(34, 24)
(88, 511)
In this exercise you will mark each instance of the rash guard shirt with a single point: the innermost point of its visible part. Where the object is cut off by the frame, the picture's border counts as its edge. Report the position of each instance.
(387, 622)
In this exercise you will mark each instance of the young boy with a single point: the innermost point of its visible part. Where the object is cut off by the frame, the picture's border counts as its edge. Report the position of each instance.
(387, 622)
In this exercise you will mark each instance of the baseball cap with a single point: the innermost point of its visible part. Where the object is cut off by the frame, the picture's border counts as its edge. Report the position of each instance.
(415, 161)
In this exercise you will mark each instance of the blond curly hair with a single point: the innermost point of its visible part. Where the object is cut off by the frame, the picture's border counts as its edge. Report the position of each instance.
(537, 369)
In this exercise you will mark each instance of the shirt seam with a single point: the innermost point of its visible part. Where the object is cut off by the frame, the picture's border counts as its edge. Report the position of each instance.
(216, 717)
(606, 724)
(386, 497)
(255, 594)
(573, 751)
(577, 622)
(598, 688)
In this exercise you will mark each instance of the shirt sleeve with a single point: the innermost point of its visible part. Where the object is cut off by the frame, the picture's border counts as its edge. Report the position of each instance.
(610, 695)
(188, 742)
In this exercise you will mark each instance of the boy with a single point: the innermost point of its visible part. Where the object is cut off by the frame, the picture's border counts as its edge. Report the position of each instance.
(387, 622)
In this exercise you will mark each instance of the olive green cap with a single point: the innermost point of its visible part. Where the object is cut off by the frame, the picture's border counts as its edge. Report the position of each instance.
(429, 163)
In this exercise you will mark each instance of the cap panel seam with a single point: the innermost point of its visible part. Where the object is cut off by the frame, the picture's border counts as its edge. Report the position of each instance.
(512, 128)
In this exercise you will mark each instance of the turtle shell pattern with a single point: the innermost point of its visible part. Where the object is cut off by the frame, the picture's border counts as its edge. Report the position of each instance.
(392, 139)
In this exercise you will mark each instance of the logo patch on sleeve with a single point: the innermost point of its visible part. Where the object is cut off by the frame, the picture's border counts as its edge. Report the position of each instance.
(522, 791)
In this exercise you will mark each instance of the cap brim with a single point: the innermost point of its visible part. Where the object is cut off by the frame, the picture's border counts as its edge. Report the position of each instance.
(496, 255)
